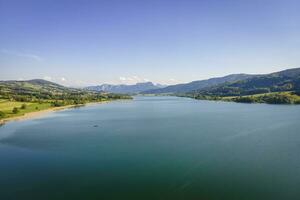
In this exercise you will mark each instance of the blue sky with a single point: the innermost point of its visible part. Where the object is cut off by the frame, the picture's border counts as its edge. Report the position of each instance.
(166, 41)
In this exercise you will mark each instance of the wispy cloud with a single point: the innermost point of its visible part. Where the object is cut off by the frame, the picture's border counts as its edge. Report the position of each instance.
(22, 54)
(64, 81)
(48, 78)
(132, 79)
(58, 79)
(170, 81)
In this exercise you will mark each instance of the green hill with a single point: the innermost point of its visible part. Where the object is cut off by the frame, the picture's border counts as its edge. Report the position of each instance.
(278, 88)
(39, 89)
(197, 85)
(287, 80)
(20, 97)
(32, 87)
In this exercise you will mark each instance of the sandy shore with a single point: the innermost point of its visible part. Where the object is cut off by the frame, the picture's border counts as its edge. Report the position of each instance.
(43, 112)
(35, 114)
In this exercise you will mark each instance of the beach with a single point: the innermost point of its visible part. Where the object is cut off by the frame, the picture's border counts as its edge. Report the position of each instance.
(35, 114)
(40, 113)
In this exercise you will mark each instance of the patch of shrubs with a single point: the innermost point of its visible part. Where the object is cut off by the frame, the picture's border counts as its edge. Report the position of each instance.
(15, 110)
(245, 100)
(57, 103)
(24, 106)
(2, 114)
(277, 99)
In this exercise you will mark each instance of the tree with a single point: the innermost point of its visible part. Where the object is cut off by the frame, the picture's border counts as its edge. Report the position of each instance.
(15, 110)
(57, 104)
(244, 99)
(2, 114)
(24, 106)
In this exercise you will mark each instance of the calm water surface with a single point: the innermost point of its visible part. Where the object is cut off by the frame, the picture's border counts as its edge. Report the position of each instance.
(154, 148)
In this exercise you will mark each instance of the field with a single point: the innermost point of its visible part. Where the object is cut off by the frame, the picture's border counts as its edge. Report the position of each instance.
(7, 107)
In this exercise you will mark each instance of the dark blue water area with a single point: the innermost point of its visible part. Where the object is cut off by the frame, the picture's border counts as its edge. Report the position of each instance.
(154, 148)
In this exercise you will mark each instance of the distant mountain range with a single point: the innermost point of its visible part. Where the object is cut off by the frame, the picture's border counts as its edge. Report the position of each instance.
(287, 80)
(231, 85)
(196, 85)
(125, 89)
(238, 84)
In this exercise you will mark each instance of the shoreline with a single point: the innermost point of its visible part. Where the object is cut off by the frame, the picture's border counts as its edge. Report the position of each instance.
(36, 114)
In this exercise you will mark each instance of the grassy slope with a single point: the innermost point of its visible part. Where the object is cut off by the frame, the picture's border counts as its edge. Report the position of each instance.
(40, 95)
(7, 107)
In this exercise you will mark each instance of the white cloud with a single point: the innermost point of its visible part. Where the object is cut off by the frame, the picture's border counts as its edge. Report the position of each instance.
(170, 81)
(21, 54)
(62, 80)
(48, 78)
(132, 79)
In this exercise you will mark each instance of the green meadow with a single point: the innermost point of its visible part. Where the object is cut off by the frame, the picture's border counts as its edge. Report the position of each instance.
(7, 108)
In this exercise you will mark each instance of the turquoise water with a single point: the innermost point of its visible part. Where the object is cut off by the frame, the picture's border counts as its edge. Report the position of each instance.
(154, 148)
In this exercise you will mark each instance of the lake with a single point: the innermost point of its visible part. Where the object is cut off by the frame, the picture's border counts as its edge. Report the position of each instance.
(154, 148)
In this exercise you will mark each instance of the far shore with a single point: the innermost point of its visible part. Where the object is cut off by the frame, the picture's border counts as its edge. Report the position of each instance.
(40, 113)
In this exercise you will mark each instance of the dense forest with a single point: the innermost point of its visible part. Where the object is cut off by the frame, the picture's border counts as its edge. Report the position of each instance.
(270, 98)
(276, 88)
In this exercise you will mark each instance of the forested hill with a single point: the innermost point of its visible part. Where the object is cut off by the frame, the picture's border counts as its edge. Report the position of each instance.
(196, 85)
(287, 80)
(33, 86)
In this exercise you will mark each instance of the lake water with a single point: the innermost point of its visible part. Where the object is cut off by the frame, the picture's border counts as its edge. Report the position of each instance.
(154, 148)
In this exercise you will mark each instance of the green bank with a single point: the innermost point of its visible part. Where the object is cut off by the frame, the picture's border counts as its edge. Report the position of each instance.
(20, 97)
